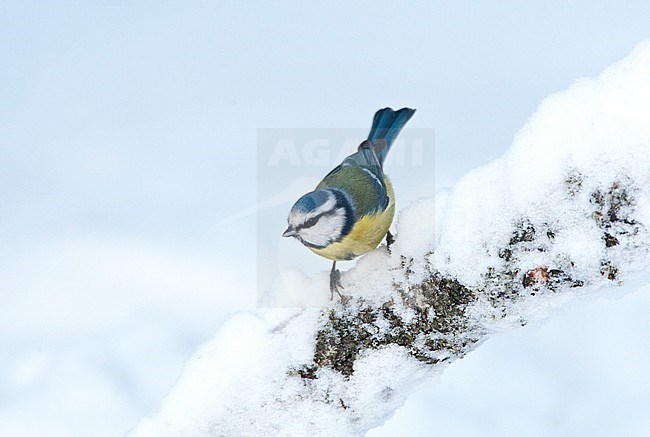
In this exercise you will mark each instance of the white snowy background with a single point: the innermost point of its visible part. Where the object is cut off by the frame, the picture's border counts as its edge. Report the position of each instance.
(128, 134)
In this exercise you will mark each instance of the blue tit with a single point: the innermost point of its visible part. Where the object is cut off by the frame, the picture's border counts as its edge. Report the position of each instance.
(351, 209)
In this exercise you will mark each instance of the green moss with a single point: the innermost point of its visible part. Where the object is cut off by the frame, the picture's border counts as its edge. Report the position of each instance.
(350, 330)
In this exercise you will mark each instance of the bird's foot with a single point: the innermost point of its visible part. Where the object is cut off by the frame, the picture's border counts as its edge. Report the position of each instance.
(335, 283)
(389, 240)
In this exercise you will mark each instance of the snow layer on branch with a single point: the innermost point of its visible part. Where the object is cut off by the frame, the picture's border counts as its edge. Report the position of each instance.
(562, 215)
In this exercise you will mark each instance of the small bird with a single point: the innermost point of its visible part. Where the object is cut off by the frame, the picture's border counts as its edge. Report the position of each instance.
(351, 209)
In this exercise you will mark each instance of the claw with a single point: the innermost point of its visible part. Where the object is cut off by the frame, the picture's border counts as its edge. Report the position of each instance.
(335, 282)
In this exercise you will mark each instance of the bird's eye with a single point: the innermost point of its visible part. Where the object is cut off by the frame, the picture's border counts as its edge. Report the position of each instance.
(311, 222)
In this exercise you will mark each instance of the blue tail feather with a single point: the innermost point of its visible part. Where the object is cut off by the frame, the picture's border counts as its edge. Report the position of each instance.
(386, 125)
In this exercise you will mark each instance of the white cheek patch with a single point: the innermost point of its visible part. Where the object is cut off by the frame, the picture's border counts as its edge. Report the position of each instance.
(329, 228)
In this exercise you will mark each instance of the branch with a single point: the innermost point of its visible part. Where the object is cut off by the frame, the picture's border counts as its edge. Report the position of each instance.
(561, 216)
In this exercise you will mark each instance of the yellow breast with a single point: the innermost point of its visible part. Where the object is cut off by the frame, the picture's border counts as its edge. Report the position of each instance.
(365, 235)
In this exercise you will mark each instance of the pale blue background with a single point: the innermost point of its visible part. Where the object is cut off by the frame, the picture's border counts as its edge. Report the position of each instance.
(128, 134)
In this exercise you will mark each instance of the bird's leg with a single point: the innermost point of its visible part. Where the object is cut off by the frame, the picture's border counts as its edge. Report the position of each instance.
(335, 282)
(389, 240)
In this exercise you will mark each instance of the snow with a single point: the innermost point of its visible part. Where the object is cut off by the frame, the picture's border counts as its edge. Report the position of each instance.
(584, 372)
(83, 317)
(592, 138)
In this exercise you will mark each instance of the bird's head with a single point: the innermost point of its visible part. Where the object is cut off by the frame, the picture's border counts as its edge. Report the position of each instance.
(320, 218)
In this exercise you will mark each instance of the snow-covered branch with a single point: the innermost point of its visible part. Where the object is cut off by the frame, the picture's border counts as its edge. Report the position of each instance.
(564, 214)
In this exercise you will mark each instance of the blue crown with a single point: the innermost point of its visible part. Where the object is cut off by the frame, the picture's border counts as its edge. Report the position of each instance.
(311, 201)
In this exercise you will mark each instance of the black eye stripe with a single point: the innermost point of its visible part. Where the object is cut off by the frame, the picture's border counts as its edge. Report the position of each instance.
(311, 222)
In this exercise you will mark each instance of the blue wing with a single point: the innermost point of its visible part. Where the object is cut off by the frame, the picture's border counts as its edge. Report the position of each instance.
(361, 174)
